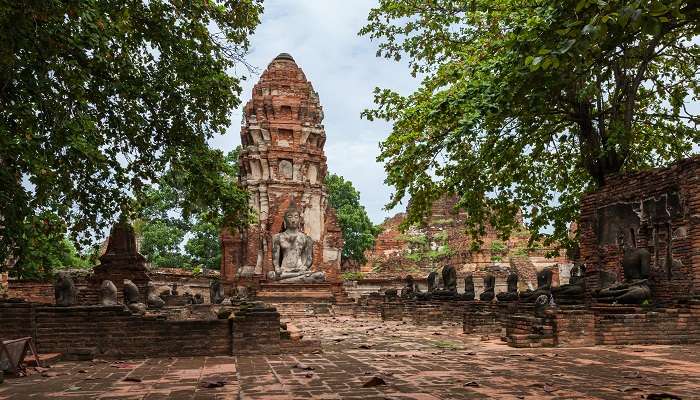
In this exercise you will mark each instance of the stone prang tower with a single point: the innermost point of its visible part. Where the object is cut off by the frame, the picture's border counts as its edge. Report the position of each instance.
(282, 163)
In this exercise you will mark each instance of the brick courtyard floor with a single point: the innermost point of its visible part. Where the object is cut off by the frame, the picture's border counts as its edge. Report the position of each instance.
(415, 362)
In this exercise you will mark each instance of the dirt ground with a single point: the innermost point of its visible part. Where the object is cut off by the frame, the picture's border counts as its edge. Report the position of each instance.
(405, 361)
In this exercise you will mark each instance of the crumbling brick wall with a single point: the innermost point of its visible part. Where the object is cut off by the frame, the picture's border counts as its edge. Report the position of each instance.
(112, 331)
(652, 208)
(443, 240)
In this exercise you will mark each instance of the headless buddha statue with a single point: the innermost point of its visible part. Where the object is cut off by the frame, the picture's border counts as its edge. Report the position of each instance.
(409, 289)
(572, 292)
(489, 288)
(544, 286)
(469, 291)
(512, 293)
(635, 288)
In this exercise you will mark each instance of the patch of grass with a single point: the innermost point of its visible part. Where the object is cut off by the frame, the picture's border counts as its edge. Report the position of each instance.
(352, 276)
(447, 345)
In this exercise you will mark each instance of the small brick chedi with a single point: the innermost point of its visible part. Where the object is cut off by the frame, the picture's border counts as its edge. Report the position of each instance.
(283, 166)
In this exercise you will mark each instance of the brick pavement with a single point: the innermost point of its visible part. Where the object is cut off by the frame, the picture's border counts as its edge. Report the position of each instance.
(416, 363)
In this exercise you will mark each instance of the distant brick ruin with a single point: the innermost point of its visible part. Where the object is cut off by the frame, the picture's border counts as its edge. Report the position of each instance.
(443, 240)
(282, 161)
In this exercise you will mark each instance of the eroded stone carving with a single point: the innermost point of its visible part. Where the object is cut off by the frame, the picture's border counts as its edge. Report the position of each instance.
(469, 291)
(131, 298)
(64, 290)
(292, 253)
(512, 292)
(635, 288)
(572, 292)
(489, 288)
(449, 279)
(216, 291)
(432, 281)
(108, 293)
(544, 286)
(152, 298)
(409, 289)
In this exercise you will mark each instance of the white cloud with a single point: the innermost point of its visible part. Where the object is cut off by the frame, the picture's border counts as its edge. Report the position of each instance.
(322, 37)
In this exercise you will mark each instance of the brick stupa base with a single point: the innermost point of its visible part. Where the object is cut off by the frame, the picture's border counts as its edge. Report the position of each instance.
(298, 299)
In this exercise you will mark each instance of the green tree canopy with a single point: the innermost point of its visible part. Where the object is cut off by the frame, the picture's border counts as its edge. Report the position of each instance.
(359, 232)
(48, 249)
(98, 97)
(163, 225)
(526, 104)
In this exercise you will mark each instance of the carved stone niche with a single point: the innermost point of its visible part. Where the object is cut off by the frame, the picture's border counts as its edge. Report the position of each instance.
(285, 112)
(285, 137)
(286, 169)
(312, 173)
(612, 218)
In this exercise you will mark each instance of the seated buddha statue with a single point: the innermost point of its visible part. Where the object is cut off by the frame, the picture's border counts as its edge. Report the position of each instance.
(544, 287)
(292, 253)
(489, 288)
(469, 291)
(512, 292)
(635, 287)
(572, 292)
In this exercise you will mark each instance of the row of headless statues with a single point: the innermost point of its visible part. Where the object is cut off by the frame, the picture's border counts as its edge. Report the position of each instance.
(573, 290)
(66, 294)
(634, 289)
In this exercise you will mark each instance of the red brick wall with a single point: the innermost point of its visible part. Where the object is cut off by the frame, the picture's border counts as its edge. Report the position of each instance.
(31, 291)
(575, 328)
(630, 325)
(111, 331)
(598, 250)
(256, 331)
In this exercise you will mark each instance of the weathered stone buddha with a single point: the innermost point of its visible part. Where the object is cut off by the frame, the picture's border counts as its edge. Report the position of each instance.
(512, 292)
(489, 288)
(572, 292)
(216, 291)
(635, 288)
(131, 298)
(449, 279)
(64, 290)
(469, 291)
(409, 288)
(108, 293)
(432, 287)
(152, 299)
(544, 287)
(432, 281)
(292, 253)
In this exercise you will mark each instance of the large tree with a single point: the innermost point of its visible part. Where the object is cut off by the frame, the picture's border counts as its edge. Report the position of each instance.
(359, 232)
(165, 229)
(48, 249)
(526, 104)
(98, 97)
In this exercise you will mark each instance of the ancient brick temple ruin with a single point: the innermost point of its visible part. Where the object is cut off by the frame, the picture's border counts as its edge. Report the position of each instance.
(282, 163)
(656, 210)
(443, 240)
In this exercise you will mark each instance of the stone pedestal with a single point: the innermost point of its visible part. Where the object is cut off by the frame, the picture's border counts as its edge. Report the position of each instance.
(298, 299)
(392, 311)
(256, 330)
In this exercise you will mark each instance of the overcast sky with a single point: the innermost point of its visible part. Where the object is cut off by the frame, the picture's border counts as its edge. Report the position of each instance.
(322, 37)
